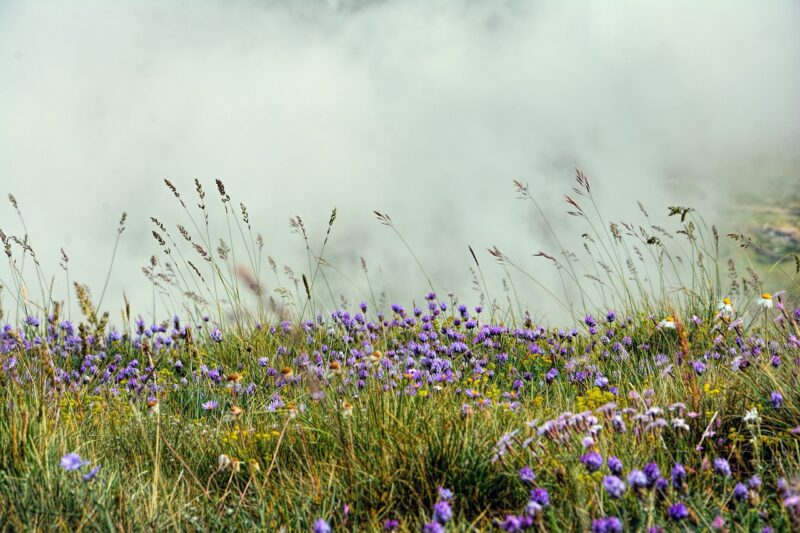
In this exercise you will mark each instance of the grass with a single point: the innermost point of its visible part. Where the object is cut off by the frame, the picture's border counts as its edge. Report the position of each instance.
(355, 415)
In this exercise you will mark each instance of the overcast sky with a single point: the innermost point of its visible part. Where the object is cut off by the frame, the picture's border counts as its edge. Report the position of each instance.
(425, 110)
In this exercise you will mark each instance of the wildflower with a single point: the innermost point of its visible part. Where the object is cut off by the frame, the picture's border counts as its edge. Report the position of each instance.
(668, 323)
(754, 482)
(740, 492)
(722, 467)
(321, 526)
(615, 465)
(638, 480)
(752, 416)
(224, 461)
(540, 496)
(678, 476)
(614, 486)
(210, 405)
(592, 461)
(725, 307)
(765, 301)
(444, 494)
(612, 524)
(216, 335)
(678, 511)
(391, 524)
(718, 523)
(88, 476)
(72, 461)
(526, 474)
(777, 399)
(503, 445)
(442, 512)
(652, 472)
(433, 527)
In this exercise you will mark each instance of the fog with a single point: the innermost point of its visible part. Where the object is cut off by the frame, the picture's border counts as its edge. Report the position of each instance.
(424, 110)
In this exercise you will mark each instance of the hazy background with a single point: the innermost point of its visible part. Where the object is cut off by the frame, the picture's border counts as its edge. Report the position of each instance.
(425, 110)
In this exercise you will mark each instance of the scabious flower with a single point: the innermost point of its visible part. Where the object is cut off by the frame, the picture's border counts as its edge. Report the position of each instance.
(614, 486)
(637, 479)
(445, 494)
(740, 492)
(777, 399)
(615, 465)
(442, 512)
(526, 474)
(611, 524)
(216, 335)
(540, 499)
(592, 461)
(321, 526)
(678, 476)
(678, 511)
(433, 527)
(722, 467)
(652, 472)
(72, 461)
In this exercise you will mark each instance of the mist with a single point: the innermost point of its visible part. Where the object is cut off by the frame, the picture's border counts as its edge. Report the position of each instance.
(426, 111)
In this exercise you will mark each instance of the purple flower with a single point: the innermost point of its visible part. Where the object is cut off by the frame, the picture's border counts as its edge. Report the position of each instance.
(88, 476)
(433, 527)
(72, 461)
(216, 336)
(722, 467)
(391, 524)
(526, 474)
(442, 512)
(321, 526)
(637, 479)
(678, 475)
(652, 472)
(540, 496)
(740, 492)
(777, 399)
(678, 511)
(614, 486)
(210, 405)
(445, 494)
(612, 524)
(592, 461)
(615, 465)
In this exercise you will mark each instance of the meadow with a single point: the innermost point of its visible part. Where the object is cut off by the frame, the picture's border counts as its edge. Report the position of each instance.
(669, 403)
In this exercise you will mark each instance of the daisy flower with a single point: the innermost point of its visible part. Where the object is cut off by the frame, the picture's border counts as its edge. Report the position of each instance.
(668, 323)
(765, 301)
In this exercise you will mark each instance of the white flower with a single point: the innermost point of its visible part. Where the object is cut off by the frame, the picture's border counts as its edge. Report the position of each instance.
(668, 323)
(224, 461)
(680, 423)
(765, 301)
(752, 416)
(725, 307)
